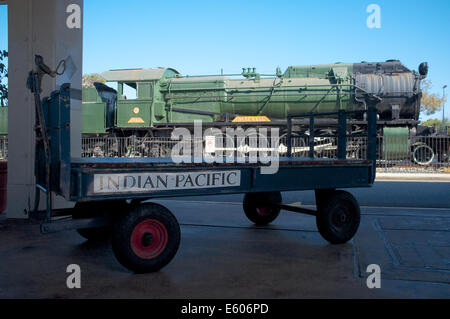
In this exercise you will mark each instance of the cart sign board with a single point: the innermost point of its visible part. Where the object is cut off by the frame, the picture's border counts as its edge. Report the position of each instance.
(151, 182)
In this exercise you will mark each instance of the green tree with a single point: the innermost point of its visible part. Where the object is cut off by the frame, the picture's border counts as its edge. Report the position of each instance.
(437, 123)
(89, 79)
(431, 102)
(3, 75)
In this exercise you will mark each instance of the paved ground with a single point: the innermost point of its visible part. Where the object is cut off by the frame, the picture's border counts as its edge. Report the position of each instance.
(382, 194)
(223, 256)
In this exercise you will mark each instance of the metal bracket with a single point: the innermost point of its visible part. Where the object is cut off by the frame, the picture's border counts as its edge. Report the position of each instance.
(71, 224)
(294, 209)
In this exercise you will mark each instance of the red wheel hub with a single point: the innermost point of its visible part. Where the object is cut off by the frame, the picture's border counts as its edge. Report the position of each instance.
(263, 211)
(149, 239)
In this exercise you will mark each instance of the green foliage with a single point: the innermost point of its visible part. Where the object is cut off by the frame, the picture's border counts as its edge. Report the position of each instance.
(437, 123)
(431, 102)
(89, 79)
(3, 75)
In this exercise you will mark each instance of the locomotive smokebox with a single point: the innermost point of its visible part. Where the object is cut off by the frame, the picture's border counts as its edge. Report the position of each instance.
(398, 87)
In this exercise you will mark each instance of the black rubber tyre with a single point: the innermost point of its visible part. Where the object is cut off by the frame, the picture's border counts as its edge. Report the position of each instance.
(146, 239)
(256, 208)
(95, 234)
(338, 217)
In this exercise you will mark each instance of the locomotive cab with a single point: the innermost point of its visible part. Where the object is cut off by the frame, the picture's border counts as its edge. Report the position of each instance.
(109, 97)
(138, 100)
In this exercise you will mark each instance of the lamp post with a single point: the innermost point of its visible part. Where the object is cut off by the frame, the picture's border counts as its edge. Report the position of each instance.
(443, 109)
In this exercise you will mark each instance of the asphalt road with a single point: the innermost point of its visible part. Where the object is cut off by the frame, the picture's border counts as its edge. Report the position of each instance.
(382, 194)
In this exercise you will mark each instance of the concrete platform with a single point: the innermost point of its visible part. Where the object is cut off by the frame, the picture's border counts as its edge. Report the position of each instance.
(414, 177)
(383, 194)
(222, 255)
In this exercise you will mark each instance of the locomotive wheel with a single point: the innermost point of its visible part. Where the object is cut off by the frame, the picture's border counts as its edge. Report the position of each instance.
(257, 210)
(146, 239)
(423, 155)
(338, 217)
(297, 142)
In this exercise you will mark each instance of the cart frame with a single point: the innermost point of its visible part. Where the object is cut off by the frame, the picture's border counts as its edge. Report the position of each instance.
(77, 180)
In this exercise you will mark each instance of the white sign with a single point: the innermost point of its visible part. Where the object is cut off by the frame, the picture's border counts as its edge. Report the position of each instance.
(148, 182)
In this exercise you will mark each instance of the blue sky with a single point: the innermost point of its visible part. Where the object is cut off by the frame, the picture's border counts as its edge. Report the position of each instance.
(202, 37)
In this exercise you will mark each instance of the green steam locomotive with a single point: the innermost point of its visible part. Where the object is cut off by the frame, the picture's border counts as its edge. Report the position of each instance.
(161, 99)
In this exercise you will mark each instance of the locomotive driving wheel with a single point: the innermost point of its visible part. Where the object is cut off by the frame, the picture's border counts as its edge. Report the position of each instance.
(423, 155)
(146, 239)
(257, 207)
(338, 216)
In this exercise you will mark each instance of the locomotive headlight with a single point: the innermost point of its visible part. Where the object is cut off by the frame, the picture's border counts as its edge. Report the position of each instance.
(136, 110)
(423, 69)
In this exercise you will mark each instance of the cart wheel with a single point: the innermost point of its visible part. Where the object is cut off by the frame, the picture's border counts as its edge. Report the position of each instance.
(338, 217)
(257, 210)
(95, 234)
(146, 239)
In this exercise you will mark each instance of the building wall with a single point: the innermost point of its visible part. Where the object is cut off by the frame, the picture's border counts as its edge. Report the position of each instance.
(37, 27)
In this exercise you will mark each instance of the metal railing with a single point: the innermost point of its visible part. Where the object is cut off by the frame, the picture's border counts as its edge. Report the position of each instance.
(126, 147)
(327, 147)
(341, 136)
(427, 154)
(394, 154)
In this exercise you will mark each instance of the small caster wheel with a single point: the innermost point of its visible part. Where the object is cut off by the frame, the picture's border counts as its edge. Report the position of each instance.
(95, 234)
(338, 217)
(93, 209)
(146, 239)
(257, 210)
